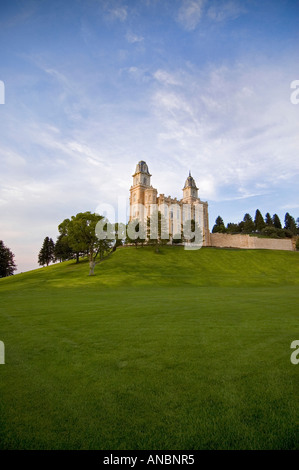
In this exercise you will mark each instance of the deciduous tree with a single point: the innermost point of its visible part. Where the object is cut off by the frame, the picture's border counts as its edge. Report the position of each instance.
(136, 232)
(62, 250)
(82, 237)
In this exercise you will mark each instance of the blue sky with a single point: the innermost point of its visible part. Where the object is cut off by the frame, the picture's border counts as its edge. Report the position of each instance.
(94, 86)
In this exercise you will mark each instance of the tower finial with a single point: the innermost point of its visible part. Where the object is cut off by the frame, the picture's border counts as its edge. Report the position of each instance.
(189, 173)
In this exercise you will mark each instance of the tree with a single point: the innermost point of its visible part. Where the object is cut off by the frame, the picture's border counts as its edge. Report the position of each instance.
(177, 237)
(271, 232)
(268, 220)
(248, 224)
(120, 234)
(157, 230)
(62, 249)
(64, 230)
(290, 224)
(46, 254)
(135, 232)
(219, 226)
(83, 238)
(259, 222)
(192, 232)
(276, 221)
(233, 228)
(7, 264)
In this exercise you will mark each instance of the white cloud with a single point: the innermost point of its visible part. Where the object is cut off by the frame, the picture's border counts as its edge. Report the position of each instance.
(226, 10)
(118, 13)
(233, 126)
(166, 78)
(133, 38)
(190, 13)
(11, 158)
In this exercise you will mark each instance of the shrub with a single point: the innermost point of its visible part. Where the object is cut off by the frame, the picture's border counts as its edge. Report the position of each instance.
(270, 232)
(288, 233)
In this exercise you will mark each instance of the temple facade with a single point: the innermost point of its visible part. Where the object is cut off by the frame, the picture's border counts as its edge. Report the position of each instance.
(144, 199)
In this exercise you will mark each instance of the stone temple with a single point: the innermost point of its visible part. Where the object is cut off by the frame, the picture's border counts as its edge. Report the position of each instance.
(144, 199)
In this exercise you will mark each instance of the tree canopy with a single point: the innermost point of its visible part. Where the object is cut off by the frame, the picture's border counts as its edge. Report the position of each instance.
(276, 221)
(46, 254)
(79, 233)
(270, 226)
(7, 264)
(268, 220)
(248, 224)
(219, 226)
(290, 224)
(259, 222)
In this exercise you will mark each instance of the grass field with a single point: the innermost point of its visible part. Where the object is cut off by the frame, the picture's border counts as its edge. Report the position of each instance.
(177, 350)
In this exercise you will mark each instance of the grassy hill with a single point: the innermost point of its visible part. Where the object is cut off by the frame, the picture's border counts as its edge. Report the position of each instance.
(177, 350)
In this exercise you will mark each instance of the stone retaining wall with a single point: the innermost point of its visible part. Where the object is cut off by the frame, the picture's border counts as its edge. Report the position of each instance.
(225, 240)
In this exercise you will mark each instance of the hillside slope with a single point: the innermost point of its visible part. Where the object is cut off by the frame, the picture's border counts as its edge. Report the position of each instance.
(177, 350)
(173, 266)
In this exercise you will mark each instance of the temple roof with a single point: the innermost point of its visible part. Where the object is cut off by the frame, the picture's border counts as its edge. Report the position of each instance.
(142, 167)
(190, 182)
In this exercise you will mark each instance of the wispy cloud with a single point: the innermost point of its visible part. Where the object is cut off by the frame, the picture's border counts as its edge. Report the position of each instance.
(133, 38)
(226, 10)
(166, 78)
(235, 127)
(118, 13)
(190, 13)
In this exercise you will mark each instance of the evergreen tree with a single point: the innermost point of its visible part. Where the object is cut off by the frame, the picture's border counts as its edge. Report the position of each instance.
(219, 226)
(7, 264)
(248, 224)
(46, 254)
(290, 224)
(232, 228)
(259, 222)
(276, 221)
(268, 220)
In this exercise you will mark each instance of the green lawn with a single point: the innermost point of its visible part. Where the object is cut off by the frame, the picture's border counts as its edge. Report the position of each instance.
(177, 350)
